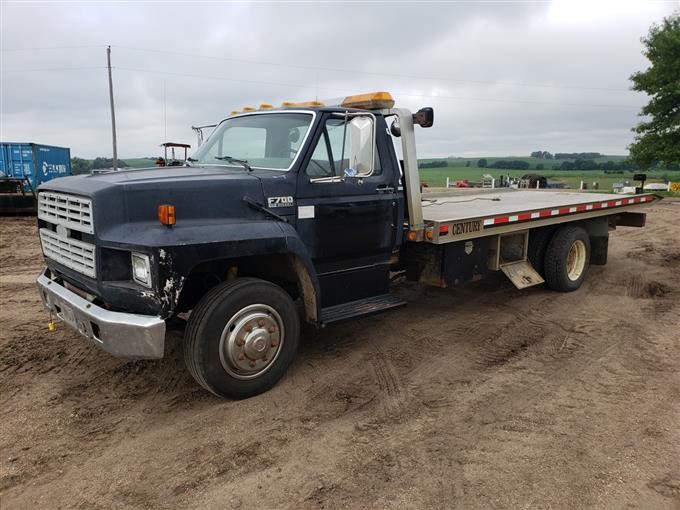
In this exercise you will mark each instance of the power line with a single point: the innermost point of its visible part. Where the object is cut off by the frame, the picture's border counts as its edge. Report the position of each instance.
(48, 48)
(51, 69)
(342, 91)
(375, 73)
(399, 93)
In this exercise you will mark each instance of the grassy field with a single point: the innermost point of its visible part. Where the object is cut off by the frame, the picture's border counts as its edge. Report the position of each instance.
(571, 179)
(141, 162)
(457, 170)
(548, 163)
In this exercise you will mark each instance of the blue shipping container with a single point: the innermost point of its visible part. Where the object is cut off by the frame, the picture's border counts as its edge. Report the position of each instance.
(39, 163)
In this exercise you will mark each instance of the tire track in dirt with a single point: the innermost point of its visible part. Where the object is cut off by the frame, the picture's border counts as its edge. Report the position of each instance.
(389, 383)
(392, 411)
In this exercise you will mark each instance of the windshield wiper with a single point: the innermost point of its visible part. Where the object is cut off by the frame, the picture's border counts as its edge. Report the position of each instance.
(229, 159)
(192, 160)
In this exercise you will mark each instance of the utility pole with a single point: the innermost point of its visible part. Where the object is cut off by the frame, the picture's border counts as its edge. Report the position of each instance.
(165, 116)
(113, 113)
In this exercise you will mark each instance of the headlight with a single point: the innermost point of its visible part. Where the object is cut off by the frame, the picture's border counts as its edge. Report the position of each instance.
(141, 269)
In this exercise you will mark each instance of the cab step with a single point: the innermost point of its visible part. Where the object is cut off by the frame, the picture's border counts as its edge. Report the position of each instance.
(360, 307)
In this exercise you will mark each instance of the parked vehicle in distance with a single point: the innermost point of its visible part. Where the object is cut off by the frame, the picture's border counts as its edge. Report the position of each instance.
(38, 163)
(290, 214)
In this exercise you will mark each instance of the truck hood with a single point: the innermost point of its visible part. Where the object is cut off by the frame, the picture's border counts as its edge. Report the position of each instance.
(88, 185)
(131, 197)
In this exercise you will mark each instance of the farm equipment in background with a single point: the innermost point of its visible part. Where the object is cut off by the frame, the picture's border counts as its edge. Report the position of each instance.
(173, 161)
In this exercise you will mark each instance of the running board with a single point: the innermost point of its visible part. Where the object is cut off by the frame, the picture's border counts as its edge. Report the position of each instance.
(522, 274)
(360, 308)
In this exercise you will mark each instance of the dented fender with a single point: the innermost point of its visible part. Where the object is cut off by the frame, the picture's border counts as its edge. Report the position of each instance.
(175, 262)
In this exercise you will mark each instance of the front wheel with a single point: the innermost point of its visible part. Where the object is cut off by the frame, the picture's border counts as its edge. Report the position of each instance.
(567, 259)
(241, 337)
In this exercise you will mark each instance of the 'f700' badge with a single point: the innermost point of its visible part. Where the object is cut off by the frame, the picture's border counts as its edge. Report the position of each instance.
(280, 202)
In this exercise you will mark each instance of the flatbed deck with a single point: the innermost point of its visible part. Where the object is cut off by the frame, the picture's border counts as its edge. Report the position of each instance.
(464, 215)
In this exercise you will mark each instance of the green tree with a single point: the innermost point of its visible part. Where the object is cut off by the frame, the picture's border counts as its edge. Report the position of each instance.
(657, 137)
(80, 166)
(482, 163)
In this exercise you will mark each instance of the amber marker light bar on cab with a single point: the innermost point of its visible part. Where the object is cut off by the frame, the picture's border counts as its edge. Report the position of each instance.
(369, 101)
(166, 215)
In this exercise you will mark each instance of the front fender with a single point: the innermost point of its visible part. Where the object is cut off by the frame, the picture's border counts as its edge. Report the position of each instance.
(178, 251)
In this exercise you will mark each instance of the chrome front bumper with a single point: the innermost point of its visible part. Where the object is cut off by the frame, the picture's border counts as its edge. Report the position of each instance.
(124, 335)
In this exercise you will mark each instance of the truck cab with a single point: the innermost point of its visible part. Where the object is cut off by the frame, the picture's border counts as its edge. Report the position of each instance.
(282, 216)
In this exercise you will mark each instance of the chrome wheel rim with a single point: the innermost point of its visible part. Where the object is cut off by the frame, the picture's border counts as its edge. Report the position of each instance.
(251, 341)
(576, 260)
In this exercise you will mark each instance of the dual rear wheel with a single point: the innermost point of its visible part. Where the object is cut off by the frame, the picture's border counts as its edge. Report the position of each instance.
(562, 256)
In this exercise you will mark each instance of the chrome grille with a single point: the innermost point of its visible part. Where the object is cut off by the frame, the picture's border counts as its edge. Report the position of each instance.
(69, 210)
(72, 253)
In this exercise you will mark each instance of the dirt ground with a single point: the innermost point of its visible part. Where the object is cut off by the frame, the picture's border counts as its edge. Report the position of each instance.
(477, 397)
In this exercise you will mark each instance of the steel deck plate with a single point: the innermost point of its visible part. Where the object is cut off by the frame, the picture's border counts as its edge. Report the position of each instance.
(461, 207)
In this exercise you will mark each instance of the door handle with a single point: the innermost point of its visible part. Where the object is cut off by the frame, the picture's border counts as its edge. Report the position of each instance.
(385, 189)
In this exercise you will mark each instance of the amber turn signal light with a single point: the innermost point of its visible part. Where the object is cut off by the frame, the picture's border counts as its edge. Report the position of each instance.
(166, 215)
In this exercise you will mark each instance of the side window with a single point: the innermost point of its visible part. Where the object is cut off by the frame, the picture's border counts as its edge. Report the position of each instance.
(320, 163)
(345, 148)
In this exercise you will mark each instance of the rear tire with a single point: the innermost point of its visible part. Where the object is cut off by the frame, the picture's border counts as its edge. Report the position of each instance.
(241, 338)
(567, 259)
(538, 243)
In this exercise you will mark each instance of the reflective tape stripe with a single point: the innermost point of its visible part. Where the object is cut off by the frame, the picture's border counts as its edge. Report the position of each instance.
(546, 213)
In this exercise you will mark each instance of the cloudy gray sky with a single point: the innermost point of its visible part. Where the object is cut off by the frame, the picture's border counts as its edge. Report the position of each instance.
(505, 78)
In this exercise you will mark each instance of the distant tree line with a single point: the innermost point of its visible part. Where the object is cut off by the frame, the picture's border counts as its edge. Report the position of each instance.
(577, 155)
(541, 155)
(501, 163)
(611, 167)
(85, 166)
(607, 166)
(433, 164)
(565, 155)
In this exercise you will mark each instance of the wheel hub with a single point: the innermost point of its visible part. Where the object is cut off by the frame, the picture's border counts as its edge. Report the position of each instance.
(576, 260)
(251, 341)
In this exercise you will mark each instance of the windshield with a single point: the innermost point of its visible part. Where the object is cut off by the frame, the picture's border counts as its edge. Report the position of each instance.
(268, 140)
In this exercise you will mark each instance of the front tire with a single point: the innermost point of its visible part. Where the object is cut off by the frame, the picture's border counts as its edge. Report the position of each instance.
(567, 259)
(241, 338)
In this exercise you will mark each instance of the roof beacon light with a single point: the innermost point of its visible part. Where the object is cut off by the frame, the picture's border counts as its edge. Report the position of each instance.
(235, 112)
(266, 106)
(249, 109)
(369, 101)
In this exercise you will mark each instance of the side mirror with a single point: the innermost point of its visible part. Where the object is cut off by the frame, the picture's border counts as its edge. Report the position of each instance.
(361, 146)
(424, 117)
(395, 128)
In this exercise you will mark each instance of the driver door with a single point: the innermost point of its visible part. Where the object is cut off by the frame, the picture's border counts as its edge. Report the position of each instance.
(347, 208)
